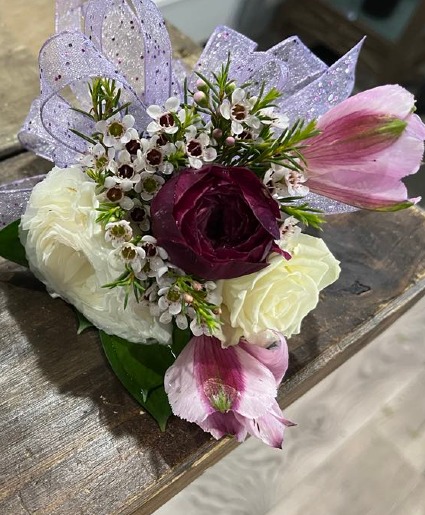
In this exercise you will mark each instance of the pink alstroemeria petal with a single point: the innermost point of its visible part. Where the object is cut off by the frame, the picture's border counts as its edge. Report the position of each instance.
(184, 393)
(233, 377)
(271, 427)
(229, 391)
(260, 386)
(275, 358)
(222, 424)
(389, 100)
(416, 127)
(367, 144)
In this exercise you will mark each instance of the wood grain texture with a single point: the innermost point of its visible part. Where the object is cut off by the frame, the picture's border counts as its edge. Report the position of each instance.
(377, 392)
(75, 442)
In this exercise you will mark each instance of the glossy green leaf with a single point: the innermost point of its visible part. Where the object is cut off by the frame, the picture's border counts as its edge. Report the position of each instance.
(180, 339)
(141, 369)
(82, 321)
(11, 247)
(158, 407)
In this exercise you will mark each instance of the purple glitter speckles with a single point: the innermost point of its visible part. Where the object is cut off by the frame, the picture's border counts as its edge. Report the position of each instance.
(55, 114)
(303, 66)
(224, 41)
(127, 41)
(14, 197)
(262, 68)
(328, 90)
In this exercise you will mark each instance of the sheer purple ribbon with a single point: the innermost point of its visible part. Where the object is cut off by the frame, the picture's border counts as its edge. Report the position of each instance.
(127, 41)
(14, 198)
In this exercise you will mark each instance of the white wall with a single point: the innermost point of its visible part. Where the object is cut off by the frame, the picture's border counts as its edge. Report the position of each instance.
(198, 18)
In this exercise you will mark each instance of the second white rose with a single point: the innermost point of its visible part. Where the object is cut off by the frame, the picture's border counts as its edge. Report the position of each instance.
(278, 297)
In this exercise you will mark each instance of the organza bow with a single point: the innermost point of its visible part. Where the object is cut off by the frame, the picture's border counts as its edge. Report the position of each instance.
(128, 42)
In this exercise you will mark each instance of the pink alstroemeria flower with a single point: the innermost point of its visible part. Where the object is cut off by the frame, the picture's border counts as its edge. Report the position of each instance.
(367, 144)
(230, 391)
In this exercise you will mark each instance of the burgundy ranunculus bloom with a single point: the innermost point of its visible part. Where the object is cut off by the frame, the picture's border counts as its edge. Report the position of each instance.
(216, 222)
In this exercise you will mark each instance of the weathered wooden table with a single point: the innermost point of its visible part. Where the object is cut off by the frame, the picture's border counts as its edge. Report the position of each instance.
(72, 440)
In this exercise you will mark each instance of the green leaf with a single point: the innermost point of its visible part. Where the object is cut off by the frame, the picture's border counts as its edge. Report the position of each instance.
(180, 339)
(82, 321)
(141, 369)
(11, 247)
(158, 407)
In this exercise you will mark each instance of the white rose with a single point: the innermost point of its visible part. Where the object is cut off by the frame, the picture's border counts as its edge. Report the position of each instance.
(67, 251)
(279, 296)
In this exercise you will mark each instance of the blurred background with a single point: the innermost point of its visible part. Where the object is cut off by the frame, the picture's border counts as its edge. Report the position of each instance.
(394, 50)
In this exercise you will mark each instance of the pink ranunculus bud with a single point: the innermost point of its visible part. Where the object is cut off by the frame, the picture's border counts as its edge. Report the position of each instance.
(216, 222)
(366, 145)
(232, 390)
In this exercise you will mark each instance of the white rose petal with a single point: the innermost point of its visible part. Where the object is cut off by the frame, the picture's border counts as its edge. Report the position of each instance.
(279, 296)
(67, 251)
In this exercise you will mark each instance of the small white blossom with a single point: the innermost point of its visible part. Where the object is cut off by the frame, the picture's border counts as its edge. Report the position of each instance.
(133, 255)
(140, 214)
(199, 329)
(117, 132)
(170, 303)
(118, 232)
(152, 156)
(278, 120)
(289, 228)
(124, 169)
(98, 157)
(149, 185)
(115, 192)
(239, 111)
(164, 120)
(286, 182)
(198, 149)
(155, 262)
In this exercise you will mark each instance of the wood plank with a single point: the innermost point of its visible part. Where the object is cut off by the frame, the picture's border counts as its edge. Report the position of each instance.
(20, 42)
(366, 390)
(72, 438)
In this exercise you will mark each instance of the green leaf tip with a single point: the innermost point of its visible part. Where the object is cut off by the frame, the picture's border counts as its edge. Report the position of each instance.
(82, 322)
(395, 207)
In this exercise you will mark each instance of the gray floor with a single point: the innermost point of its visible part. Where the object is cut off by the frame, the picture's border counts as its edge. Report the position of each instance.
(358, 449)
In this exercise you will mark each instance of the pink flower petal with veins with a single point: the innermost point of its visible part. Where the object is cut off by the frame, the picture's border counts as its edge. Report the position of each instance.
(367, 144)
(230, 390)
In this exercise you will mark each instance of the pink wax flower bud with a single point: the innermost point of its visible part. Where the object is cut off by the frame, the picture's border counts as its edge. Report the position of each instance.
(217, 133)
(230, 141)
(367, 144)
(230, 391)
(201, 85)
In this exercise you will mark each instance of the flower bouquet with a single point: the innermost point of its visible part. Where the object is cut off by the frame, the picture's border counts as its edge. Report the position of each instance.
(173, 218)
